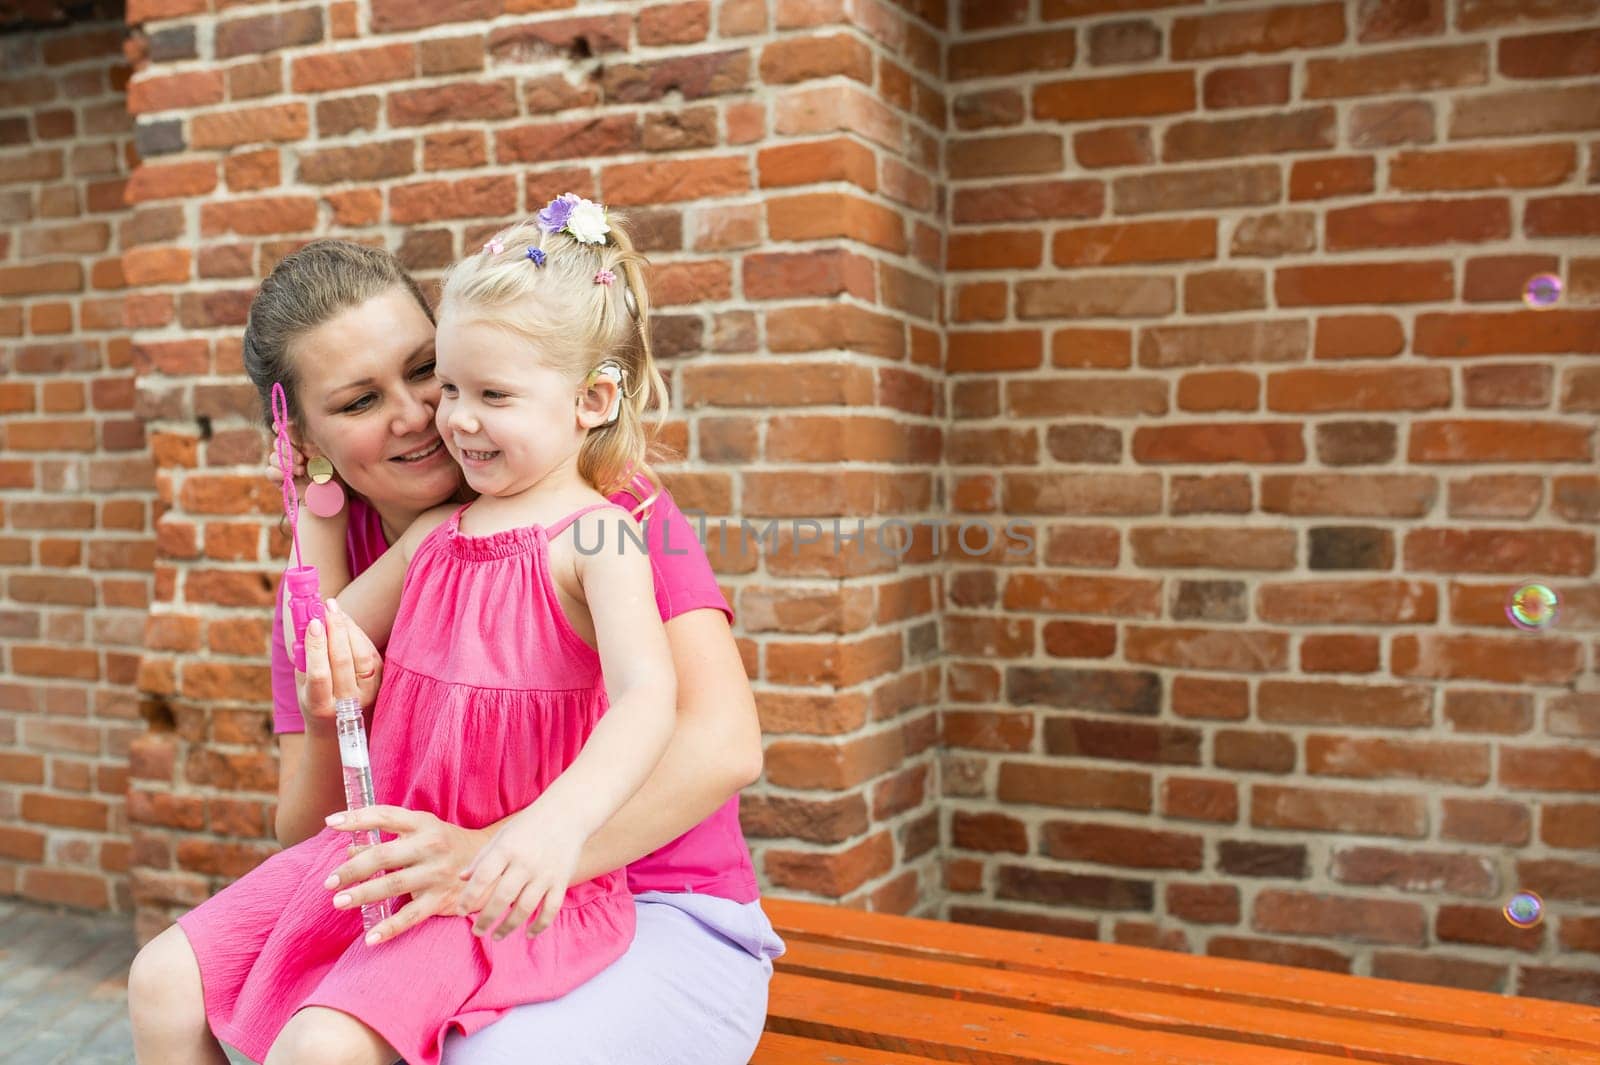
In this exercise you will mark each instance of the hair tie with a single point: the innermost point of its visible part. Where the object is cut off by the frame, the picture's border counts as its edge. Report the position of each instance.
(604, 277)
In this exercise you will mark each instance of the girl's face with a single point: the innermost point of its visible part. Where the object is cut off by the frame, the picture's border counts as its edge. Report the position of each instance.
(507, 417)
(369, 396)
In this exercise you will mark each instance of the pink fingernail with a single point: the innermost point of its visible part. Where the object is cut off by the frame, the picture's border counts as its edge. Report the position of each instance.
(342, 899)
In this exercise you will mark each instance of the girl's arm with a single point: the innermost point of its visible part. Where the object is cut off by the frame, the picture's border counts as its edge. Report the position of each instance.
(531, 861)
(641, 687)
(715, 749)
(310, 782)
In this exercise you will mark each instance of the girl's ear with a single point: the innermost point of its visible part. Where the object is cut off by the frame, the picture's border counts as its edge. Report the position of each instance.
(596, 400)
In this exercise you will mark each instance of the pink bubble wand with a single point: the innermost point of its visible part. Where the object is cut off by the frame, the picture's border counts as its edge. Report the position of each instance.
(305, 603)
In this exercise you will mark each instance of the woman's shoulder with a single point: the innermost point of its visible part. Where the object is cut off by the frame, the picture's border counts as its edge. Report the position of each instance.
(644, 500)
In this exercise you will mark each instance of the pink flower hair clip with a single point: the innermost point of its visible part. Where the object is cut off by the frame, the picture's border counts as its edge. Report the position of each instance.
(605, 277)
(494, 247)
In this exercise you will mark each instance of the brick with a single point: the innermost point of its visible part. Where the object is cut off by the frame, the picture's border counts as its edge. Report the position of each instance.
(1322, 391)
(1521, 112)
(479, 197)
(1113, 146)
(456, 101)
(1361, 283)
(347, 69)
(1126, 41)
(366, 163)
(1189, 547)
(267, 33)
(1189, 799)
(1359, 602)
(1016, 53)
(1391, 122)
(1118, 96)
(1015, 153)
(1125, 741)
(1108, 295)
(1106, 691)
(1562, 216)
(1333, 703)
(1264, 31)
(1074, 787)
(1259, 86)
(1565, 54)
(1128, 848)
(988, 110)
(1548, 332)
(1489, 712)
(175, 92)
(1531, 166)
(1416, 223)
(391, 16)
(1197, 189)
(1032, 201)
(839, 159)
(1486, 658)
(680, 23)
(796, 59)
(259, 216)
(1458, 441)
(1327, 810)
(230, 129)
(692, 77)
(1308, 129)
(1274, 234)
(1135, 242)
(1405, 70)
(1360, 920)
(1220, 442)
(1221, 650)
(669, 182)
(1340, 653)
(1465, 764)
(1320, 179)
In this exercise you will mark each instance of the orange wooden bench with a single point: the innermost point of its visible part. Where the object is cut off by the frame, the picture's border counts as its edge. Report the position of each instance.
(868, 989)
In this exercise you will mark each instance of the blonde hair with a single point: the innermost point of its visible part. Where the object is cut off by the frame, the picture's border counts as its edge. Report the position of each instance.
(578, 323)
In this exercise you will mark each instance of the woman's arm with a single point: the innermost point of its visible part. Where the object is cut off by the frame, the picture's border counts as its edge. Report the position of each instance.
(715, 749)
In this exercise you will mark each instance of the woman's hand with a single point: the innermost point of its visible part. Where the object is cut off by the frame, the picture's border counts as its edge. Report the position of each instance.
(341, 663)
(523, 872)
(275, 471)
(423, 861)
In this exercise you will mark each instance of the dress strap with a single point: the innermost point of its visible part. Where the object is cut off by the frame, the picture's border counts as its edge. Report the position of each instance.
(553, 531)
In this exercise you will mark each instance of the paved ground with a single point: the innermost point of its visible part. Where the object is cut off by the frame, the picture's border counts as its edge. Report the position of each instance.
(64, 987)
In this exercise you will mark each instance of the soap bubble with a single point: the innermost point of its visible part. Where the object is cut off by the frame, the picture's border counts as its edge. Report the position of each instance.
(1525, 910)
(1542, 291)
(1532, 607)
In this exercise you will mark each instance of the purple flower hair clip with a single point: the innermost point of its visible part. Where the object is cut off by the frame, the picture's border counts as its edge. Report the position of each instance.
(536, 255)
(583, 220)
(604, 277)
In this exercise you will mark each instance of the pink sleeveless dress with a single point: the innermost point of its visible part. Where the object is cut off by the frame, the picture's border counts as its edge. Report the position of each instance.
(488, 694)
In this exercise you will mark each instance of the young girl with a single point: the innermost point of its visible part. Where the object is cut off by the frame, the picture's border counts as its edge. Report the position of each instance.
(490, 711)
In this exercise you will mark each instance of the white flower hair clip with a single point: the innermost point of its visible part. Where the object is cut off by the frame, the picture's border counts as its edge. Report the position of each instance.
(583, 220)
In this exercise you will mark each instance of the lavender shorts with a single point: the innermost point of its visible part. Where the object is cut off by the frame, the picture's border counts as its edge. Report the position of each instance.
(691, 990)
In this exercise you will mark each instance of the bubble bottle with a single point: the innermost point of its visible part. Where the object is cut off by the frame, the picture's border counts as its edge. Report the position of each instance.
(305, 604)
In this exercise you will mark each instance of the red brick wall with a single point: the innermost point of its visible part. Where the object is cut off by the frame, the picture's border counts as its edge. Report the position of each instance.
(75, 475)
(781, 160)
(1194, 290)
(1234, 302)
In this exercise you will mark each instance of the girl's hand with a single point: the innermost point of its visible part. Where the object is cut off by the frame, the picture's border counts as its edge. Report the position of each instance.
(523, 872)
(423, 861)
(341, 663)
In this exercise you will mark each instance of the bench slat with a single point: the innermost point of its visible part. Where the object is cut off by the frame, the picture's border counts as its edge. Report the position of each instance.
(779, 1049)
(951, 1030)
(1445, 1010)
(1160, 1011)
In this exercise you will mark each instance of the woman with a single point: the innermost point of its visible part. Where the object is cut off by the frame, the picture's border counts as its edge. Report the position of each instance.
(350, 337)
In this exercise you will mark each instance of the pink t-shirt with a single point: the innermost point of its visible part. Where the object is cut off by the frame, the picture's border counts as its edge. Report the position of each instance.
(711, 858)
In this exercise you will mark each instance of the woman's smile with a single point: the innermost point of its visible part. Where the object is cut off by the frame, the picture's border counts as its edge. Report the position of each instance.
(422, 454)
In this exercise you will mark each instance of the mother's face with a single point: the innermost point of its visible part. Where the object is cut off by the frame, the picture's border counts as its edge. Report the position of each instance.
(369, 395)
